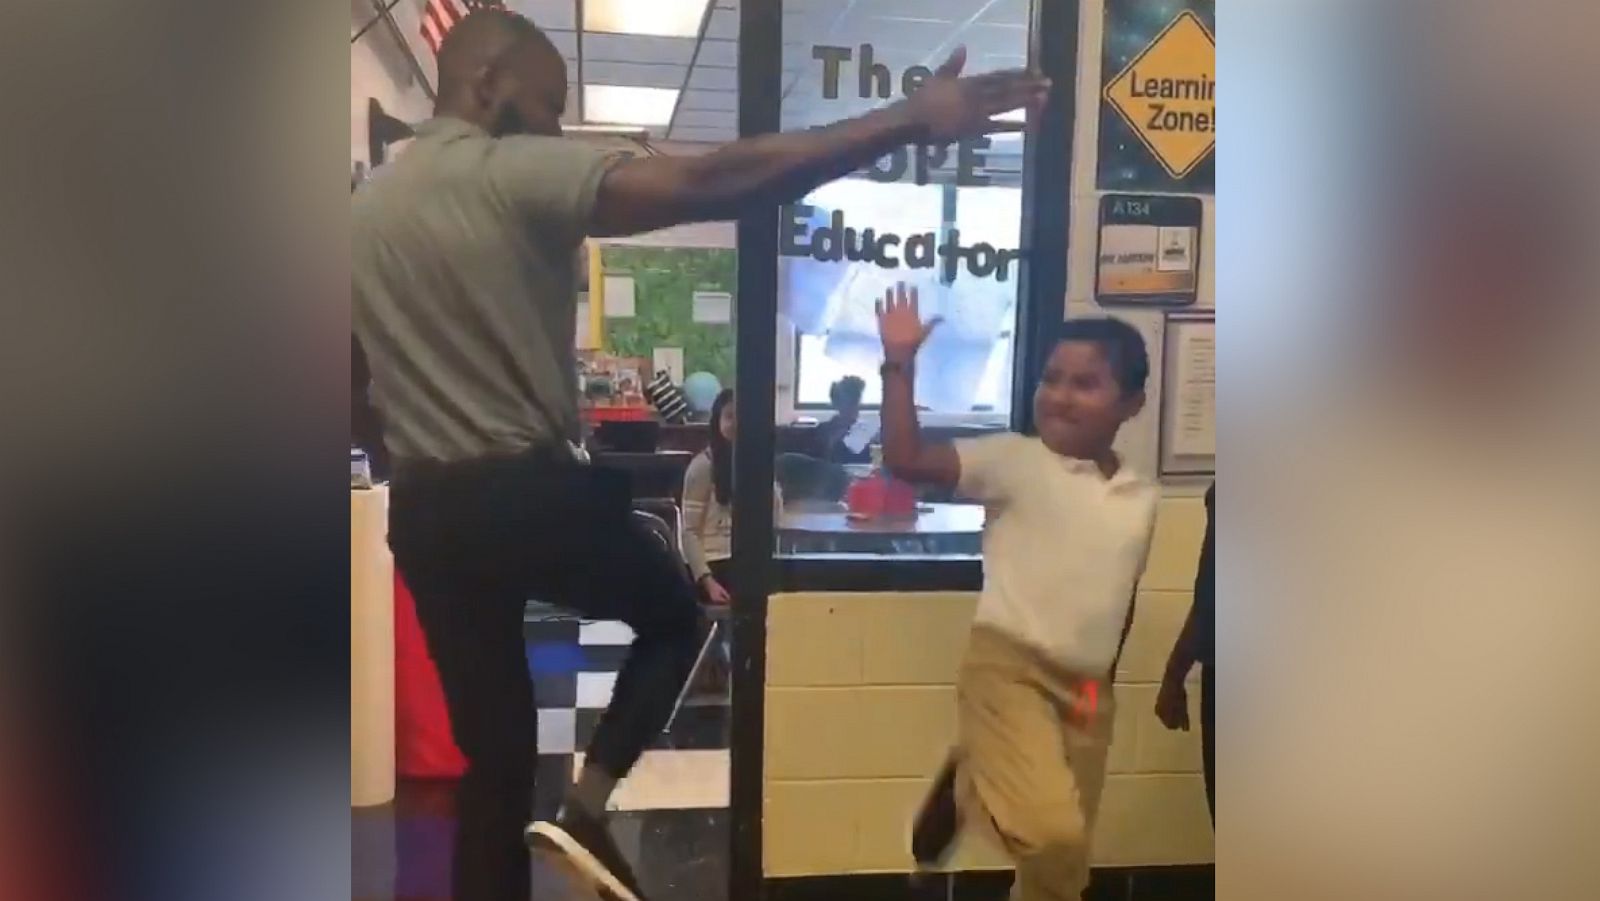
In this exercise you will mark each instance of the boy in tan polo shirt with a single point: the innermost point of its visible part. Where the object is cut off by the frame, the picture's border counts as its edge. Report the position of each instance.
(1065, 540)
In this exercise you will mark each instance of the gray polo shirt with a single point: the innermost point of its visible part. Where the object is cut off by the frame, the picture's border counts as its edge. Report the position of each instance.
(463, 257)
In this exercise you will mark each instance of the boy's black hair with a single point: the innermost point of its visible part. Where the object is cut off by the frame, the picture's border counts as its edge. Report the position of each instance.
(847, 391)
(1120, 342)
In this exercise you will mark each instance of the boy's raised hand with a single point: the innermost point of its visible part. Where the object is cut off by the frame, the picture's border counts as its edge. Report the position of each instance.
(900, 324)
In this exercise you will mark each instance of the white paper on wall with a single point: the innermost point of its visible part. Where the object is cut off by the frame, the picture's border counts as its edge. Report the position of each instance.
(670, 361)
(1195, 380)
(713, 307)
(618, 297)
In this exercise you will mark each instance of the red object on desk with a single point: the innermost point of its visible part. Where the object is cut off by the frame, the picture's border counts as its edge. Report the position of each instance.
(619, 414)
(423, 745)
(879, 495)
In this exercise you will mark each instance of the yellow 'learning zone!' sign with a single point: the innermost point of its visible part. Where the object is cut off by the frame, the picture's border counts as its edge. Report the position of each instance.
(1168, 95)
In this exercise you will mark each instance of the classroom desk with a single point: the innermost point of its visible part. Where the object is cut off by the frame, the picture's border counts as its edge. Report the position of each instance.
(810, 527)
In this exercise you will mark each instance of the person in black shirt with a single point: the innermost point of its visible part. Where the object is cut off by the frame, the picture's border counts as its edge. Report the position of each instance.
(845, 395)
(1197, 644)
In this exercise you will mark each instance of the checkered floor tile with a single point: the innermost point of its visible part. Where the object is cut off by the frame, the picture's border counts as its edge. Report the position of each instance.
(574, 665)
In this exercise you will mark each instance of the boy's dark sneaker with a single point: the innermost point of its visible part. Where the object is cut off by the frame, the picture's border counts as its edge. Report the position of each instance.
(934, 831)
(584, 840)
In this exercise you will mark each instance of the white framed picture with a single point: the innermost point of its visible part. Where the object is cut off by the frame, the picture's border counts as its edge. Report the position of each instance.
(1189, 395)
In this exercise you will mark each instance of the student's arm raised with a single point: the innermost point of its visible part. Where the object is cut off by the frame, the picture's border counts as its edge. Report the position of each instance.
(981, 469)
(902, 330)
(648, 193)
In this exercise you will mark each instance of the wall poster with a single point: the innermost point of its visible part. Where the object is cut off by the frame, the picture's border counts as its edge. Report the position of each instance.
(1158, 110)
(1149, 250)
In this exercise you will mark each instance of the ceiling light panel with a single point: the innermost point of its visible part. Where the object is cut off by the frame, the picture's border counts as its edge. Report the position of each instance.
(664, 18)
(628, 104)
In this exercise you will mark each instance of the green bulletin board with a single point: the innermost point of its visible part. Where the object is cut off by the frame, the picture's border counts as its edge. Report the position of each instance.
(665, 279)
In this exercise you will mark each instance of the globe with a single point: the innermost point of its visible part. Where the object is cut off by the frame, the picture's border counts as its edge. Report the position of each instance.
(700, 389)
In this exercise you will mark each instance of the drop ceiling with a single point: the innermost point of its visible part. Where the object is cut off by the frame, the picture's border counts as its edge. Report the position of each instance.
(704, 68)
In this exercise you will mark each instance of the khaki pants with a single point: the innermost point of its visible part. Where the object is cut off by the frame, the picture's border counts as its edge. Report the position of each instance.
(1032, 759)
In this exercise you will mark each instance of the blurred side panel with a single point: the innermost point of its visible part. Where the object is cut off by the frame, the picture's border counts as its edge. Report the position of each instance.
(1410, 508)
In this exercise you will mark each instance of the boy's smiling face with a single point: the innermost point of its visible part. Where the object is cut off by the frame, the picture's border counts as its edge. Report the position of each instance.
(1079, 404)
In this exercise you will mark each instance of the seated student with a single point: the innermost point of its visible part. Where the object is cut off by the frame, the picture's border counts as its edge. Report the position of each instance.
(708, 504)
(1065, 540)
(829, 443)
(818, 473)
(708, 528)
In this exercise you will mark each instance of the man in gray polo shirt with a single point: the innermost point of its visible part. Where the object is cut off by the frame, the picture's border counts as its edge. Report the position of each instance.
(462, 273)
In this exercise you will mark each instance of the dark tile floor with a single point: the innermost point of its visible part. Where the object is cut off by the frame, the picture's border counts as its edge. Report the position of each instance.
(401, 852)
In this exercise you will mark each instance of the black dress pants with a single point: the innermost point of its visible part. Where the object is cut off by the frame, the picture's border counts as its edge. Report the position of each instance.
(475, 541)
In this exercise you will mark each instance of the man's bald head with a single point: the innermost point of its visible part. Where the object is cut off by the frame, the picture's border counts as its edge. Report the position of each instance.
(499, 71)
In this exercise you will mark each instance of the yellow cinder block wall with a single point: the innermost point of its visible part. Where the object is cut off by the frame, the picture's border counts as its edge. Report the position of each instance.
(860, 709)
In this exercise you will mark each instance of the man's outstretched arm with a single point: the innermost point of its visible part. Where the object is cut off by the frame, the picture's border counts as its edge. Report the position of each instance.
(647, 193)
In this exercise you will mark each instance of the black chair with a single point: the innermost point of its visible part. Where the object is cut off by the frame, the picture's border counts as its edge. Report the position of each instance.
(662, 518)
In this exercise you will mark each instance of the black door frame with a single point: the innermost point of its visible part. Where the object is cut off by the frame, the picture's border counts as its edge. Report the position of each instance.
(760, 85)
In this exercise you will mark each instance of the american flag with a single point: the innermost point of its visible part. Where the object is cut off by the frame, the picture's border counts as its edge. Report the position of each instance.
(439, 16)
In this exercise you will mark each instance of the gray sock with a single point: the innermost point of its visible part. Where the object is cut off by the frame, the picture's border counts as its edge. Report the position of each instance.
(593, 790)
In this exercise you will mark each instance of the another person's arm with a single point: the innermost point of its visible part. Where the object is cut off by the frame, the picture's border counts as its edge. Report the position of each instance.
(824, 437)
(1185, 651)
(828, 441)
(1172, 699)
(647, 193)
